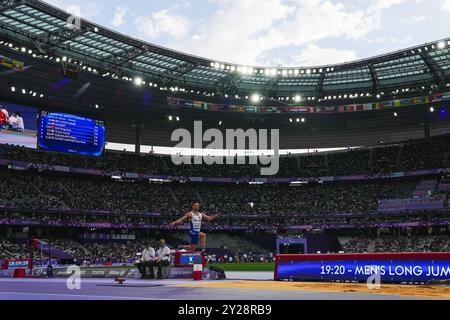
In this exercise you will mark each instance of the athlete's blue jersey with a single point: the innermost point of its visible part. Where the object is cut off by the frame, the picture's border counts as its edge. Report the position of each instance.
(195, 225)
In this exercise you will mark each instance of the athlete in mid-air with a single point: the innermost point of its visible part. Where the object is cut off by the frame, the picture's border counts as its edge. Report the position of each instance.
(195, 218)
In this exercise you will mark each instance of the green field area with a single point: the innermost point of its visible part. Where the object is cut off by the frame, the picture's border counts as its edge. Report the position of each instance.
(253, 266)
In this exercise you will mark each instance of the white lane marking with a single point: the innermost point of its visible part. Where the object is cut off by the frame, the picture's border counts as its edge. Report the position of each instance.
(79, 296)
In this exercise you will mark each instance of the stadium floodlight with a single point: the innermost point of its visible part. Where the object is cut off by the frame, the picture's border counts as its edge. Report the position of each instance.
(138, 81)
(290, 120)
(297, 120)
(298, 98)
(303, 120)
(41, 96)
(441, 45)
(395, 114)
(13, 89)
(431, 109)
(177, 118)
(24, 49)
(170, 118)
(220, 123)
(255, 98)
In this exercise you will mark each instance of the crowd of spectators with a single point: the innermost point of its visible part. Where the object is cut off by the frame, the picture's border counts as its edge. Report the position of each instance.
(44, 191)
(44, 197)
(386, 244)
(229, 252)
(12, 250)
(222, 248)
(19, 250)
(409, 156)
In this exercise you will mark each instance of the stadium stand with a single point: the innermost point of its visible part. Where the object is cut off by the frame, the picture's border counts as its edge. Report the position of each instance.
(408, 156)
(70, 200)
(397, 244)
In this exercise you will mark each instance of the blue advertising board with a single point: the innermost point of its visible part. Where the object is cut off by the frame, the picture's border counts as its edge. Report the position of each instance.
(191, 259)
(389, 268)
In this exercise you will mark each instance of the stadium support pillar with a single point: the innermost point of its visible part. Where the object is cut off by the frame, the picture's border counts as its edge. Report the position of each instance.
(426, 128)
(137, 146)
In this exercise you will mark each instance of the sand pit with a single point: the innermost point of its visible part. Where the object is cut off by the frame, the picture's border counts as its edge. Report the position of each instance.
(436, 292)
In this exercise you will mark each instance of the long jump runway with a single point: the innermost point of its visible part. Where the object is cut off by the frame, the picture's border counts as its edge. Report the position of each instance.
(255, 289)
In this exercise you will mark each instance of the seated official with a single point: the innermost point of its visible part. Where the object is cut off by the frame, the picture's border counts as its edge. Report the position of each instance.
(147, 257)
(161, 260)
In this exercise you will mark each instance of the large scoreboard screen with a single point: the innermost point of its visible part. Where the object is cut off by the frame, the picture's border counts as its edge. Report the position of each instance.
(389, 267)
(18, 125)
(69, 133)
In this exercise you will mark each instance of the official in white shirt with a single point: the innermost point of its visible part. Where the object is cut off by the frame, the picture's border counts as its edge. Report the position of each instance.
(15, 122)
(162, 259)
(147, 257)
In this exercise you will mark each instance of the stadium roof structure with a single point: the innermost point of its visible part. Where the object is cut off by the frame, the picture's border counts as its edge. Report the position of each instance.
(55, 33)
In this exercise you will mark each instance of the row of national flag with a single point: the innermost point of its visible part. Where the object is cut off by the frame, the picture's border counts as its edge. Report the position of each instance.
(305, 109)
(11, 63)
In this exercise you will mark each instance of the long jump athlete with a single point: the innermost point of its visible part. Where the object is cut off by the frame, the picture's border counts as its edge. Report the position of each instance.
(195, 218)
